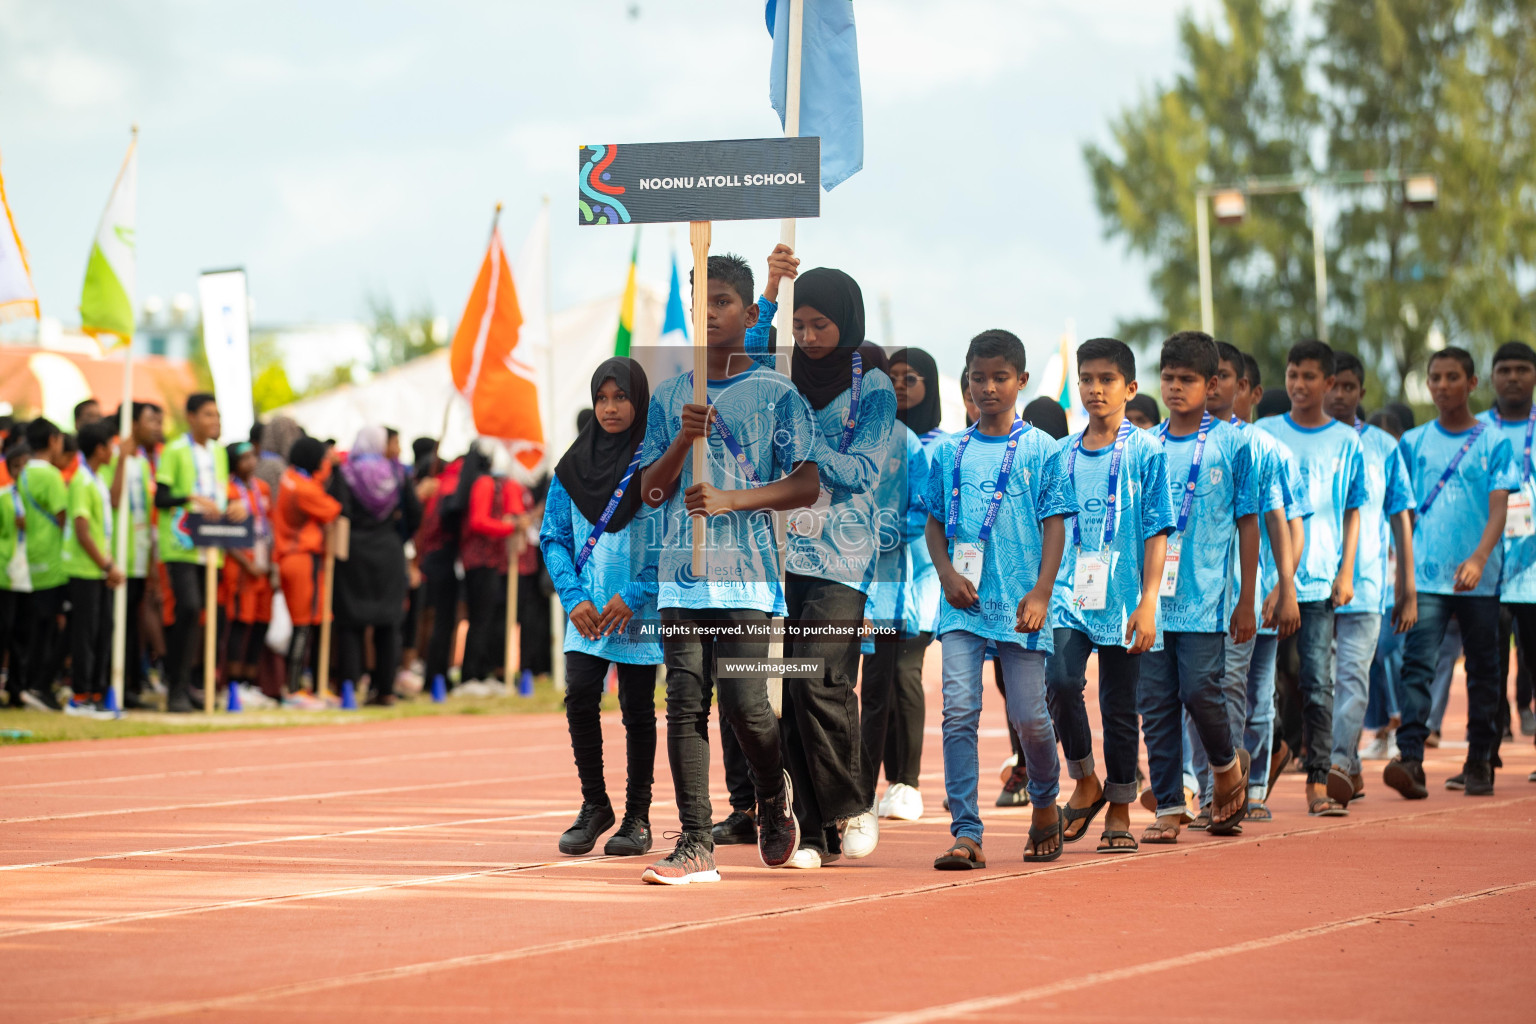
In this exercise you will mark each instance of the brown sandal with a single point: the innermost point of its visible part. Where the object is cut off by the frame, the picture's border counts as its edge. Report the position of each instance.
(1239, 793)
(1158, 834)
(965, 855)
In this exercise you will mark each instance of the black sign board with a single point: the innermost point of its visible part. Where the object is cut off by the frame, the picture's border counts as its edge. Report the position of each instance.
(220, 533)
(733, 179)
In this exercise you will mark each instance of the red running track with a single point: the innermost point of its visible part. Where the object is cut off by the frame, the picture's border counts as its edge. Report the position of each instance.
(407, 871)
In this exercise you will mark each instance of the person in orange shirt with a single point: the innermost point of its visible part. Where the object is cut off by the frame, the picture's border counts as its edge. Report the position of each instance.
(299, 516)
(246, 590)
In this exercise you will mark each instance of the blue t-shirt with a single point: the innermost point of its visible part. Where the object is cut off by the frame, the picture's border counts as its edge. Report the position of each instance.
(846, 545)
(1447, 535)
(772, 423)
(1332, 467)
(1142, 511)
(902, 574)
(620, 563)
(1388, 492)
(1279, 482)
(1226, 490)
(1517, 584)
(1038, 488)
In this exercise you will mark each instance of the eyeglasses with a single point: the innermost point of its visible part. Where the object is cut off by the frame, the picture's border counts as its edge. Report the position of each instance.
(912, 380)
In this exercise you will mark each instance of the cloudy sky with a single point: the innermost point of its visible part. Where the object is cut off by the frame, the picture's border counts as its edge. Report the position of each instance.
(340, 148)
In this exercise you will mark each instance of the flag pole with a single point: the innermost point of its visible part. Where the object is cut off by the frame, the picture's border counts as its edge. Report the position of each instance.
(698, 237)
(556, 609)
(125, 525)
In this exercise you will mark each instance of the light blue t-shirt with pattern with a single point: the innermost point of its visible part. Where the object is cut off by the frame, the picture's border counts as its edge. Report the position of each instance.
(1450, 531)
(1038, 488)
(903, 569)
(1388, 492)
(1141, 511)
(1517, 585)
(1285, 484)
(1225, 491)
(1332, 465)
(772, 424)
(620, 564)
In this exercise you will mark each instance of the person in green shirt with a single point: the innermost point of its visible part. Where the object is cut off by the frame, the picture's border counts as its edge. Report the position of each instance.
(193, 479)
(15, 580)
(44, 499)
(93, 574)
(134, 469)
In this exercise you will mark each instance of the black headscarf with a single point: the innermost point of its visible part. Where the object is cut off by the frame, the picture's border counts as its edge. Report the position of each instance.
(1048, 416)
(925, 415)
(592, 468)
(836, 296)
(307, 454)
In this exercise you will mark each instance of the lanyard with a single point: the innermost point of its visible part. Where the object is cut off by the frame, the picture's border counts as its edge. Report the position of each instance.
(202, 489)
(21, 484)
(21, 515)
(608, 511)
(1194, 469)
(952, 523)
(106, 498)
(1360, 424)
(1237, 421)
(1451, 469)
(133, 480)
(1114, 484)
(732, 445)
(1530, 430)
(930, 435)
(252, 498)
(852, 422)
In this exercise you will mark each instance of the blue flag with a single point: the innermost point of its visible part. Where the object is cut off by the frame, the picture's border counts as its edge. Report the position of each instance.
(830, 102)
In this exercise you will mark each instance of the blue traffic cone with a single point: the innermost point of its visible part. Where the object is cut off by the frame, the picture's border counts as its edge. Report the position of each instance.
(232, 703)
(348, 696)
(525, 684)
(110, 703)
(439, 689)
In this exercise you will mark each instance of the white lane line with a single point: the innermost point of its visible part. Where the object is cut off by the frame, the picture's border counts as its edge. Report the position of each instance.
(985, 1004)
(640, 934)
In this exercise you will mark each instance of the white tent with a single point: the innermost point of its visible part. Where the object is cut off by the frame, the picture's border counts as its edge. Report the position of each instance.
(415, 398)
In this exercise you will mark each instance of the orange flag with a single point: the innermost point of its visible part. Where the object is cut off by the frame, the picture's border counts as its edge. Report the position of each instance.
(502, 390)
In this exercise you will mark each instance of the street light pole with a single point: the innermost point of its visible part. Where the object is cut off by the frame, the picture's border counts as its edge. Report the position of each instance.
(1203, 226)
(1319, 262)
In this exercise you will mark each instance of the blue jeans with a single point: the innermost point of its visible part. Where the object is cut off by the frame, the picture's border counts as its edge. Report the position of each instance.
(1355, 639)
(1259, 727)
(1024, 694)
(1186, 673)
(1386, 699)
(1234, 684)
(1314, 649)
(1479, 621)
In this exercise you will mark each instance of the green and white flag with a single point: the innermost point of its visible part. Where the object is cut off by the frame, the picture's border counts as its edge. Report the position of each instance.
(106, 302)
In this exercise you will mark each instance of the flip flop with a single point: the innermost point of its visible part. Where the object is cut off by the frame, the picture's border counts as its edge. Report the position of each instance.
(1228, 826)
(1111, 834)
(1040, 835)
(1257, 811)
(1148, 801)
(1165, 836)
(1277, 762)
(1341, 788)
(1202, 820)
(1326, 807)
(1086, 815)
(964, 855)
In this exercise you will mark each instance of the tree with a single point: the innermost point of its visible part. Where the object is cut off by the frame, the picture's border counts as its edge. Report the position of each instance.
(399, 339)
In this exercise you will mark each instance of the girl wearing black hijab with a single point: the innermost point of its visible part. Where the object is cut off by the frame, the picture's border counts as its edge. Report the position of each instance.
(600, 569)
(916, 377)
(831, 558)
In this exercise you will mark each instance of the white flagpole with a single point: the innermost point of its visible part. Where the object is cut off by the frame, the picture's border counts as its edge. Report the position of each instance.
(126, 450)
(547, 403)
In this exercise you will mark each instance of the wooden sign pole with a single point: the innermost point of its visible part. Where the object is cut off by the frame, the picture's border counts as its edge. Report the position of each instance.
(698, 235)
(210, 626)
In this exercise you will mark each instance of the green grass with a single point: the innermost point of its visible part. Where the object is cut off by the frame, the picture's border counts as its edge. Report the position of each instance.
(46, 726)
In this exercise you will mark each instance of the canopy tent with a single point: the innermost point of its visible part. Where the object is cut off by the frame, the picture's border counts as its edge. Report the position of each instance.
(41, 382)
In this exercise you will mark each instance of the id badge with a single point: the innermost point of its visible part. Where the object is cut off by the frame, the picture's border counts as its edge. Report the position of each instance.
(967, 561)
(1171, 567)
(1090, 581)
(808, 522)
(1519, 522)
(261, 556)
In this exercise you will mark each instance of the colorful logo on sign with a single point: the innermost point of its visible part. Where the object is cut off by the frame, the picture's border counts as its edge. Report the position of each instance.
(604, 207)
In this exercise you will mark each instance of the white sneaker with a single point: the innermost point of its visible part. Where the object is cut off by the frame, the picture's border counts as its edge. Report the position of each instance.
(860, 835)
(1006, 768)
(805, 858)
(1376, 750)
(907, 804)
(883, 806)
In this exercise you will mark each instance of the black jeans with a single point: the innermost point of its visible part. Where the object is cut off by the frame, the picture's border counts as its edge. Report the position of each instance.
(890, 727)
(90, 635)
(485, 592)
(13, 650)
(133, 652)
(1314, 650)
(738, 779)
(744, 708)
(584, 676)
(1119, 676)
(440, 590)
(386, 655)
(1517, 621)
(1288, 694)
(821, 716)
(181, 641)
(1478, 618)
(39, 615)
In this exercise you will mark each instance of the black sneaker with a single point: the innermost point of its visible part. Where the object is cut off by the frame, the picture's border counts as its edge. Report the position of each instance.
(1015, 793)
(739, 829)
(692, 860)
(778, 832)
(633, 839)
(178, 703)
(1407, 777)
(41, 700)
(1479, 778)
(1457, 781)
(591, 822)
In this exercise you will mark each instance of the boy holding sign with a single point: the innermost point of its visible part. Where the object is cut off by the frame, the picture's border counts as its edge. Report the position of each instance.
(1462, 473)
(997, 499)
(1212, 484)
(1106, 589)
(759, 436)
